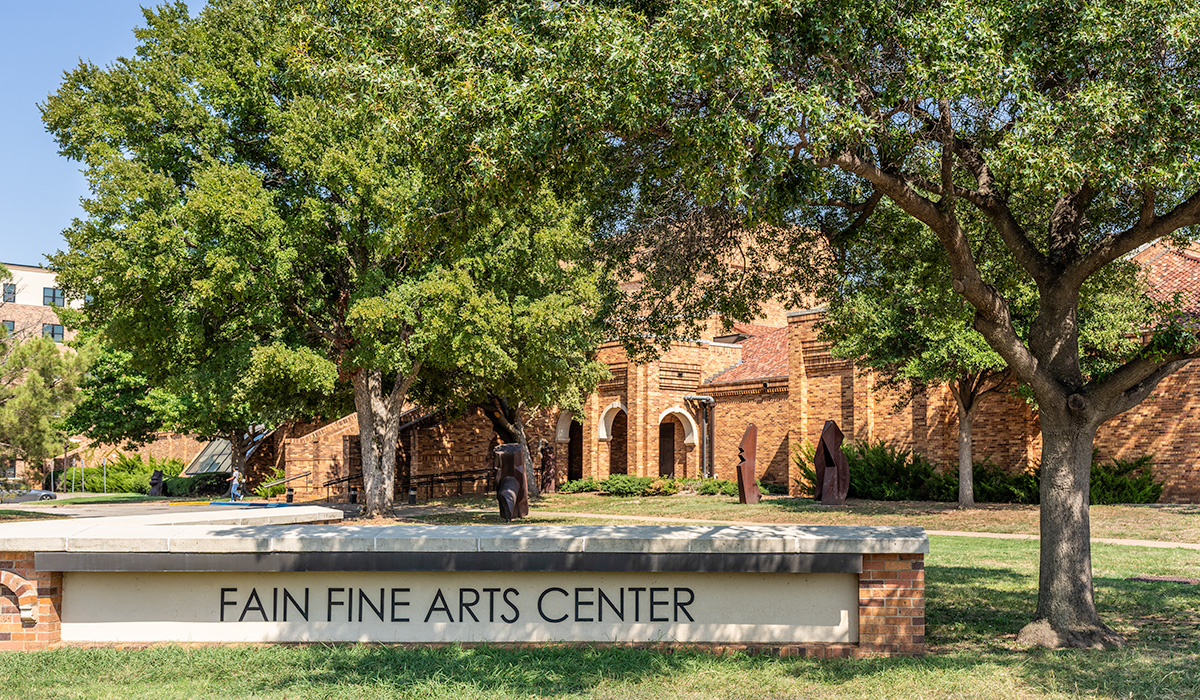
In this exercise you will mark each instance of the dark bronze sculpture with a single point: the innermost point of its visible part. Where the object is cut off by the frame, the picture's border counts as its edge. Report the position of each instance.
(833, 471)
(156, 483)
(747, 485)
(511, 491)
(549, 468)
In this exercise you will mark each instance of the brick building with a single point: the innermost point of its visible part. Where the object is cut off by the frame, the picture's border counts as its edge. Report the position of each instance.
(28, 303)
(684, 414)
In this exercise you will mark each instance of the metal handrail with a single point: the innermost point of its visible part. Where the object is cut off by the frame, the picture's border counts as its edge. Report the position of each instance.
(285, 480)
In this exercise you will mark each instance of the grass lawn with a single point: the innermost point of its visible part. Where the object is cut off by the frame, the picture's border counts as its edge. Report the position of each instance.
(979, 592)
(10, 516)
(95, 498)
(1168, 523)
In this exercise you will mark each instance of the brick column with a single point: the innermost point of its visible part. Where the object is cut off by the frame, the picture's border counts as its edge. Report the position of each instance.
(30, 604)
(891, 605)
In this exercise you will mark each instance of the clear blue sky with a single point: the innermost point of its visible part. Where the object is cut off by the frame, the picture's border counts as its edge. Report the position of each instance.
(39, 189)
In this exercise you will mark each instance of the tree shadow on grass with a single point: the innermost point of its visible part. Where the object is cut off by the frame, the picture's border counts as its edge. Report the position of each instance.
(486, 671)
(974, 613)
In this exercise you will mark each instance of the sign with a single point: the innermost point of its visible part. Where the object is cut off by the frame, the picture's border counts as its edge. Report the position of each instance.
(424, 606)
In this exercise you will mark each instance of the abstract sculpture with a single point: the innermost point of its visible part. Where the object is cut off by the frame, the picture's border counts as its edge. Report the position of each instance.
(511, 490)
(747, 486)
(549, 468)
(156, 483)
(833, 471)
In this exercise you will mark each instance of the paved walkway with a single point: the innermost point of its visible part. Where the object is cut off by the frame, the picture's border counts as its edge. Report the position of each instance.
(84, 510)
(951, 533)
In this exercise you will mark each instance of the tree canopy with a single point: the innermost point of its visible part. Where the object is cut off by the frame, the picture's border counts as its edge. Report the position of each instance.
(709, 131)
(255, 224)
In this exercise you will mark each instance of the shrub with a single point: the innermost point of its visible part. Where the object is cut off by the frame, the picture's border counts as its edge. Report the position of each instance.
(127, 473)
(994, 485)
(579, 486)
(276, 490)
(882, 472)
(1124, 481)
(625, 485)
(662, 487)
(210, 484)
(717, 487)
(772, 488)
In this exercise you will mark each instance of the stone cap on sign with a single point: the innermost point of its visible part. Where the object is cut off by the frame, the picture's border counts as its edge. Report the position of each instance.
(291, 530)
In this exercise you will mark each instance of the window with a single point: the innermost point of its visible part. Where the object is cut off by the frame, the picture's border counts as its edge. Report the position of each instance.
(10, 293)
(53, 331)
(8, 468)
(11, 326)
(53, 297)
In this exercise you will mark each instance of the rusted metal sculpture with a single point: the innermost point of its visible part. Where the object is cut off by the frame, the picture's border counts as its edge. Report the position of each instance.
(549, 467)
(747, 486)
(833, 471)
(511, 491)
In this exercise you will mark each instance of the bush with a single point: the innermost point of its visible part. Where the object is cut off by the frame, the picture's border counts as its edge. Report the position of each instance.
(579, 486)
(994, 485)
(276, 490)
(625, 485)
(210, 484)
(1124, 481)
(126, 474)
(717, 487)
(662, 487)
(771, 488)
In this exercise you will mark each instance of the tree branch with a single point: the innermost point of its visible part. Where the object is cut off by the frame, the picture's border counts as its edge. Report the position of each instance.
(1147, 229)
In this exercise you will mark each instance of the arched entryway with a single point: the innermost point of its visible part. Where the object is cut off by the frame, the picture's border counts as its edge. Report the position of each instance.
(676, 432)
(614, 429)
(618, 452)
(569, 436)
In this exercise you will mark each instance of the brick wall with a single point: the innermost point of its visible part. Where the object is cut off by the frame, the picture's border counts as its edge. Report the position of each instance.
(38, 592)
(740, 404)
(1163, 425)
(891, 604)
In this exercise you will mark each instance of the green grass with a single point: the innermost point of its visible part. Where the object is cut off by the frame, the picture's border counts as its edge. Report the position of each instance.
(98, 498)
(9, 516)
(980, 593)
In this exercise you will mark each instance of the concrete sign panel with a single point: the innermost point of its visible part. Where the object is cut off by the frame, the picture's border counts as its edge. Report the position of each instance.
(427, 606)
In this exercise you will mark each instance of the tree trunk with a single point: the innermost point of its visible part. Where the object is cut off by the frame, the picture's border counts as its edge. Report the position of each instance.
(378, 434)
(966, 476)
(239, 442)
(1066, 611)
(506, 421)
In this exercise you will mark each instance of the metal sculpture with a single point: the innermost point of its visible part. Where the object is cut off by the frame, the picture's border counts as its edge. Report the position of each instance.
(747, 486)
(833, 471)
(511, 491)
(156, 483)
(549, 467)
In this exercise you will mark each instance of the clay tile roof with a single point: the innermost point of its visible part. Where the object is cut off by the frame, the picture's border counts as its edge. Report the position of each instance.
(764, 354)
(1171, 271)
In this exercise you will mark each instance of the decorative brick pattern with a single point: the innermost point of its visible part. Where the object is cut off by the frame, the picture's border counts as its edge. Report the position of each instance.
(891, 605)
(30, 604)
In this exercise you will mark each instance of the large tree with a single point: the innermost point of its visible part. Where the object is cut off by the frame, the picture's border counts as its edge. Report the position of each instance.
(253, 212)
(533, 280)
(733, 130)
(892, 311)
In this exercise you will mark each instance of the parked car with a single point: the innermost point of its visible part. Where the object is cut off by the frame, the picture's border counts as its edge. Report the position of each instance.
(16, 492)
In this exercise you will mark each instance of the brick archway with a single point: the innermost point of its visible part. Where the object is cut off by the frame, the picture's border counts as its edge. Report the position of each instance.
(26, 593)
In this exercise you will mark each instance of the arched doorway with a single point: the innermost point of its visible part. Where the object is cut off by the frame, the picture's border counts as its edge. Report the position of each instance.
(575, 452)
(618, 452)
(568, 433)
(676, 433)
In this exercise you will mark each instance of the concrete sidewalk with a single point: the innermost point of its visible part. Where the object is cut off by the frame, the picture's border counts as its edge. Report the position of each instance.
(949, 533)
